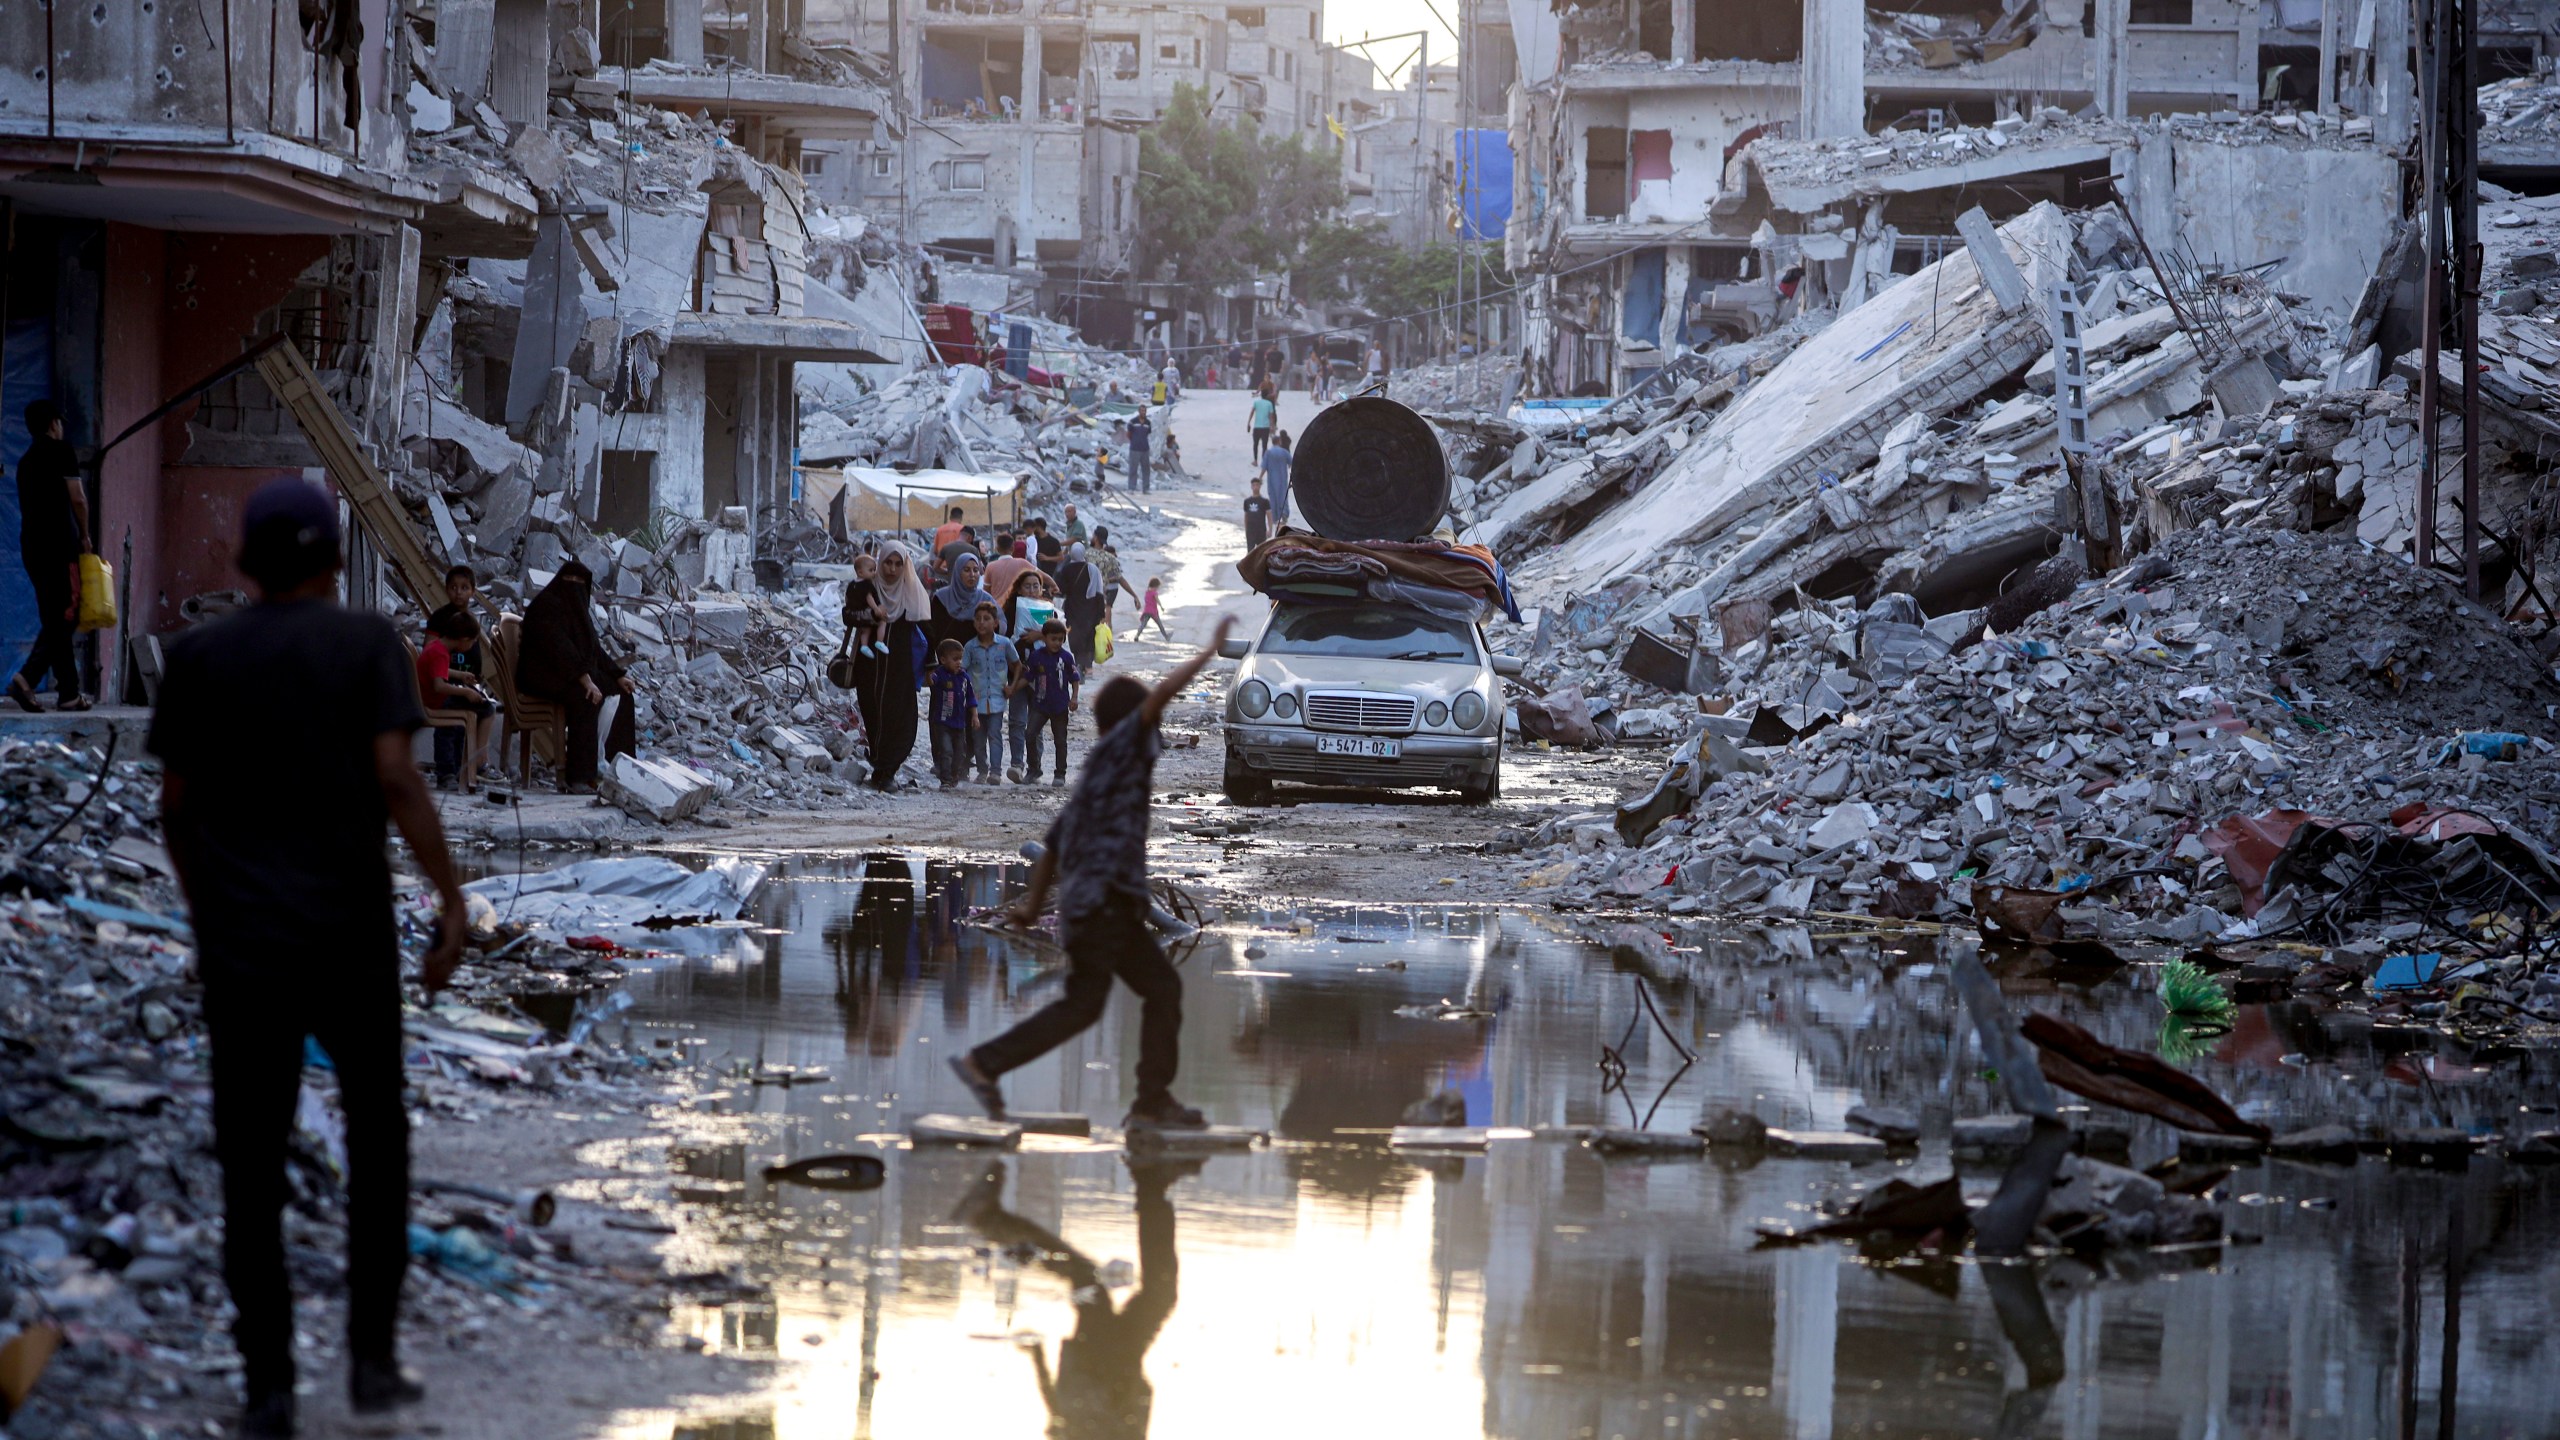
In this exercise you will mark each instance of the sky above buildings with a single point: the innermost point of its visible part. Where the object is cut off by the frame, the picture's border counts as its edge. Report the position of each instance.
(1346, 20)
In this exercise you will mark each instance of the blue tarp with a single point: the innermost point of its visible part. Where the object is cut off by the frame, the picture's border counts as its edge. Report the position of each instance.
(26, 373)
(1484, 183)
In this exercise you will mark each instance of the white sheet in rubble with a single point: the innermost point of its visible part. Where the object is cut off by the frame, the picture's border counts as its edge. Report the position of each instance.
(618, 891)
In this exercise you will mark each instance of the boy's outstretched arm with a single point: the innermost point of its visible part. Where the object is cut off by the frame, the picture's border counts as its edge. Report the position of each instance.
(1153, 707)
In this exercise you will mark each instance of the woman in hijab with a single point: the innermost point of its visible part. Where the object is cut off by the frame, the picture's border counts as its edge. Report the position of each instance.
(1080, 595)
(564, 662)
(884, 686)
(955, 606)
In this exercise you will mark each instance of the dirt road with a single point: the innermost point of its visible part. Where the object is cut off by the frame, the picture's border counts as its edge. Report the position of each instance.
(1349, 845)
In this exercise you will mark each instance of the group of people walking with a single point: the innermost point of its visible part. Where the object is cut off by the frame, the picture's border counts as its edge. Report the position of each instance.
(1001, 649)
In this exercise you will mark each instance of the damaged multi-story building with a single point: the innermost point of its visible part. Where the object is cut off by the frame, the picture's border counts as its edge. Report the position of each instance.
(1015, 161)
(1693, 171)
(550, 297)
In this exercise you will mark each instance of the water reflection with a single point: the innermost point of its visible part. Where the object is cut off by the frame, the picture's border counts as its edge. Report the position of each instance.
(1099, 1388)
(1540, 1290)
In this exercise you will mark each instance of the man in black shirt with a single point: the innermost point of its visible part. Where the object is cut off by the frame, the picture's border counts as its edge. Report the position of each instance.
(53, 533)
(283, 732)
(1096, 852)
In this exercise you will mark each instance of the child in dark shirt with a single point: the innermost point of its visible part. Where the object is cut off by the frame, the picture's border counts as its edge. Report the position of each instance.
(863, 613)
(1051, 677)
(955, 714)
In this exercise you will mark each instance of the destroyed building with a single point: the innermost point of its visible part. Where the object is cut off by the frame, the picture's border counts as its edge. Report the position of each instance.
(1016, 165)
(544, 305)
(1684, 160)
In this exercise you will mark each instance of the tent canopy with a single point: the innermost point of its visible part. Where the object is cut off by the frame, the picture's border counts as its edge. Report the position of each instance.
(876, 499)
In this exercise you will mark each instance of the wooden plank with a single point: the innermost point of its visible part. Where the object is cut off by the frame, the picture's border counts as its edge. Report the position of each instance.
(384, 522)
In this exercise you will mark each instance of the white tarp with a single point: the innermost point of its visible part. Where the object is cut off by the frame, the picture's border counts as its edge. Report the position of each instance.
(876, 499)
(620, 891)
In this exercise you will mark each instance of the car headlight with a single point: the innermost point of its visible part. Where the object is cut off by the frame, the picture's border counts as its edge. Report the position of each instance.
(1253, 699)
(1470, 710)
(1286, 707)
(1435, 714)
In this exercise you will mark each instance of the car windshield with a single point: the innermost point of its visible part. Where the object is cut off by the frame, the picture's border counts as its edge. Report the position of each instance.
(1368, 632)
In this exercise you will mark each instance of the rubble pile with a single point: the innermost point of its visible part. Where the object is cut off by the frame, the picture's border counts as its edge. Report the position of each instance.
(965, 418)
(2087, 748)
(110, 1193)
(2521, 110)
(1485, 383)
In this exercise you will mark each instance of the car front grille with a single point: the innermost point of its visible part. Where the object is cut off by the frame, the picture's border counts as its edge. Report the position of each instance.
(1387, 714)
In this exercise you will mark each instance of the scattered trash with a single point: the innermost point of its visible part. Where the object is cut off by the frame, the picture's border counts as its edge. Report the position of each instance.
(831, 1172)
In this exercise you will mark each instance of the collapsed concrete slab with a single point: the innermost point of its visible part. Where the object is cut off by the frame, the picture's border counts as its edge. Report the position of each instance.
(1930, 344)
(656, 788)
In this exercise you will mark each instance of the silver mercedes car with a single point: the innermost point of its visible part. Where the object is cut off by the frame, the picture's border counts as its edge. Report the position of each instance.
(1365, 694)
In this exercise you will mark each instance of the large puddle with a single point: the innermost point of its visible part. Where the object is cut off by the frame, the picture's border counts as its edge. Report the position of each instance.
(1326, 1287)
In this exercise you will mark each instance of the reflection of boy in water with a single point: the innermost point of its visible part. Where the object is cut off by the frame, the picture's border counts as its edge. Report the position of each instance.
(1100, 1388)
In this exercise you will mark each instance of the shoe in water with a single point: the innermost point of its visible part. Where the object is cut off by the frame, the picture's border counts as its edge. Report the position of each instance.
(982, 1088)
(1164, 1114)
(375, 1386)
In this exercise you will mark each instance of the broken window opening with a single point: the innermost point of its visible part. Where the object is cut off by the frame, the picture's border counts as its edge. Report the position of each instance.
(623, 499)
(1653, 28)
(1768, 31)
(969, 76)
(1116, 56)
(2289, 74)
(1604, 173)
(1248, 17)
(2163, 12)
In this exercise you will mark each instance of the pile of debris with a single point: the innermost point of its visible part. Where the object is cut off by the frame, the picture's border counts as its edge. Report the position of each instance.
(1866, 763)
(110, 1233)
(1485, 383)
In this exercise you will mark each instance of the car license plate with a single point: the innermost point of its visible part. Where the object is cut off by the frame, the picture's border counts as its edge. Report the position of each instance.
(1361, 745)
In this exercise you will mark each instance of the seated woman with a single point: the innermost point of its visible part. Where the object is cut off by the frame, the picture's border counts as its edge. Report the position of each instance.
(565, 663)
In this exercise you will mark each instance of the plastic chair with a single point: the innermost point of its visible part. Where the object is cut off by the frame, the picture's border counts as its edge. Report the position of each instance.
(445, 719)
(535, 720)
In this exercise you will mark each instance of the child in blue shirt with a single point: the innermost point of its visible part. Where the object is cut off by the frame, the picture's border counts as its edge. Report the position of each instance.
(955, 714)
(1051, 676)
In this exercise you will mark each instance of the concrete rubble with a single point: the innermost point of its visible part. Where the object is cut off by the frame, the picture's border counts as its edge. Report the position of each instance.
(1923, 642)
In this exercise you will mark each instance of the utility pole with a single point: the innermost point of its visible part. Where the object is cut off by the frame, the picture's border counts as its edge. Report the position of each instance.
(2450, 170)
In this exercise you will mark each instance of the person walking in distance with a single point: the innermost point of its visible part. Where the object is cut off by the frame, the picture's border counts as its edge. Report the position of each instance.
(1096, 858)
(1257, 515)
(1152, 609)
(289, 890)
(1265, 414)
(1275, 469)
(1142, 433)
(53, 533)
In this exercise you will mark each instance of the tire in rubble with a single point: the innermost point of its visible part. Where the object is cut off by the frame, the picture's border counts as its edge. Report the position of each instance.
(1243, 787)
(1485, 794)
(1369, 469)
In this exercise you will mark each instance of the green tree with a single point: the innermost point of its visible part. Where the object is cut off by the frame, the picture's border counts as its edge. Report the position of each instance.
(1349, 263)
(1221, 202)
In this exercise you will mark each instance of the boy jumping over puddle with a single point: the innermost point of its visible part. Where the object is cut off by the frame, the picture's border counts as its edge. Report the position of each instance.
(1096, 853)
